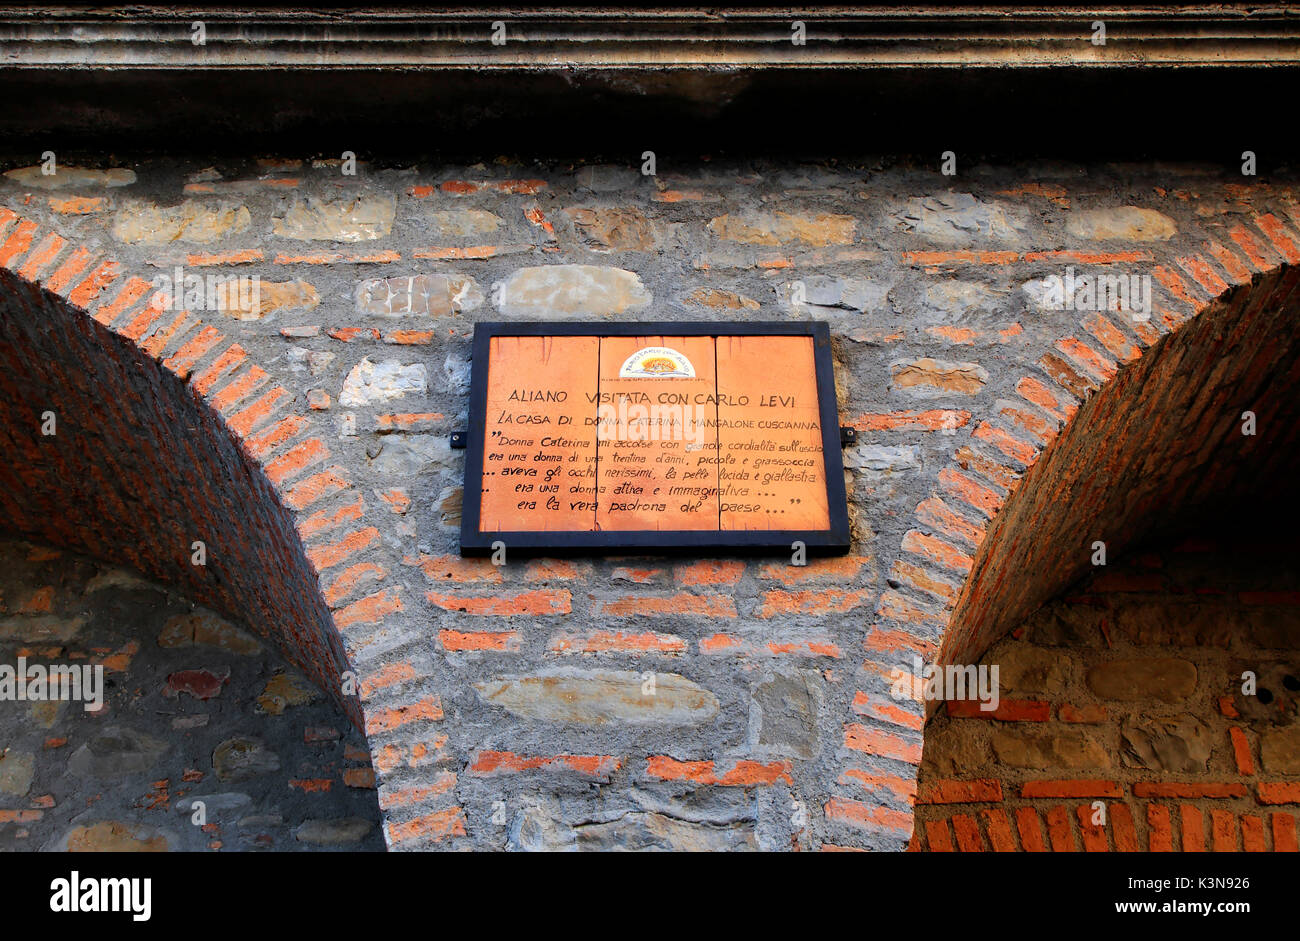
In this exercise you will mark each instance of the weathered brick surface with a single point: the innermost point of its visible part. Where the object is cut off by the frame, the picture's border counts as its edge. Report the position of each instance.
(1148, 655)
(311, 441)
(193, 711)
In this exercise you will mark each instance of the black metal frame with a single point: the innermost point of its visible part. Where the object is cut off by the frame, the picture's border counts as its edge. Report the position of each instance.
(834, 540)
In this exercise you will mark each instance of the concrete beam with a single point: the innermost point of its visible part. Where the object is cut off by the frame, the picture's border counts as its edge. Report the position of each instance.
(879, 38)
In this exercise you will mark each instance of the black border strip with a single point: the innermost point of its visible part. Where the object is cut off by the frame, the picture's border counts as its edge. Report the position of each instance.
(832, 541)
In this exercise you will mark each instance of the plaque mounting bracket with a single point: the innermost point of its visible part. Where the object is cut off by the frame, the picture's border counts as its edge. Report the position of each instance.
(459, 440)
(848, 437)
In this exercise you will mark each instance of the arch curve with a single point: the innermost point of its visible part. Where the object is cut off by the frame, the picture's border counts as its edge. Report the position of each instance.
(1154, 433)
(1117, 427)
(134, 430)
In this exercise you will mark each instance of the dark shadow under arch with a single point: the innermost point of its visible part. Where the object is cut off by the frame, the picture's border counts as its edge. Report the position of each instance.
(1160, 439)
(139, 468)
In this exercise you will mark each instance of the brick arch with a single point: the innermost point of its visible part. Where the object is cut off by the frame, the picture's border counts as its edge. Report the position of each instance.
(168, 433)
(1117, 429)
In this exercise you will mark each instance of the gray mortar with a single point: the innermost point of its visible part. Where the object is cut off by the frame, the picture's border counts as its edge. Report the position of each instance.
(881, 500)
(107, 769)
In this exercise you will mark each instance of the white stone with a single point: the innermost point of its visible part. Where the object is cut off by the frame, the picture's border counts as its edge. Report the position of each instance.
(568, 290)
(369, 382)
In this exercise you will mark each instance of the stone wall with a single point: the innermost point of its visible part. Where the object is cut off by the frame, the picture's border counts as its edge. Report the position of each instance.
(194, 710)
(1126, 695)
(493, 697)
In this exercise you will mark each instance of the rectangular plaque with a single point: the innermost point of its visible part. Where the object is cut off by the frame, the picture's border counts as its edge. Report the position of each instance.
(587, 437)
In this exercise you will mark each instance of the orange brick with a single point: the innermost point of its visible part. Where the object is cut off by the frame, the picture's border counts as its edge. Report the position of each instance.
(970, 459)
(938, 836)
(902, 788)
(369, 610)
(918, 578)
(1203, 275)
(894, 607)
(324, 557)
(741, 774)
(929, 420)
(1241, 751)
(1093, 835)
(78, 205)
(900, 641)
(1110, 337)
(40, 601)
(967, 830)
(933, 258)
(1193, 828)
(1278, 792)
(1284, 837)
(1278, 234)
(1058, 830)
(238, 257)
(979, 791)
(711, 606)
(839, 568)
(1122, 828)
(937, 551)
(70, 269)
(1008, 710)
(297, 458)
(311, 785)
(998, 825)
(880, 707)
(1091, 714)
(397, 499)
(1223, 831)
(504, 762)
(1188, 791)
(934, 512)
(1067, 377)
(390, 674)
(970, 492)
(555, 570)
(875, 742)
(617, 642)
(1161, 839)
(536, 603)
(317, 487)
(437, 826)
(329, 519)
(251, 415)
(192, 351)
(1072, 788)
(385, 720)
(351, 577)
(42, 256)
(19, 240)
(363, 778)
(1031, 830)
(867, 816)
(1246, 241)
(479, 640)
(230, 359)
(455, 569)
(443, 783)
(709, 572)
(1040, 429)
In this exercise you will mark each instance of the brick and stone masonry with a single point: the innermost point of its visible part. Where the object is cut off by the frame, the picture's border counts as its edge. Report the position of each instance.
(304, 441)
(1123, 724)
(201, 738)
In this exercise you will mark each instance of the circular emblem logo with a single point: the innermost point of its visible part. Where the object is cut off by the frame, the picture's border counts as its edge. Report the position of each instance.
(656, 362)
